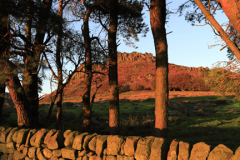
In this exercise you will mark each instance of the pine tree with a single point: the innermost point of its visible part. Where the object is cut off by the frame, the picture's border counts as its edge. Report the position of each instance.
(158, 20)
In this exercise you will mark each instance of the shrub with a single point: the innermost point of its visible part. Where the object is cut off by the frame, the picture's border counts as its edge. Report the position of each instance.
(124, 88)
(182, 81)
(222, 80)
(136, 86)
(198, 83)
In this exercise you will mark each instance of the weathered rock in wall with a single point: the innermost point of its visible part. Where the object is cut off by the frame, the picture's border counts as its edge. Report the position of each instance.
(43, 144)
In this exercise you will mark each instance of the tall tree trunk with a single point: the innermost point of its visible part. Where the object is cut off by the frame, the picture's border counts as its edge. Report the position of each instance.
(59, 115)
(25, 118)
(31, 91)
(32, 88)
(31, 60)
(157, 19)
(29, 82)
(4, 49)
(113, 72)
(59, 68)
(87, 110)
(2, 94)
(9, 76)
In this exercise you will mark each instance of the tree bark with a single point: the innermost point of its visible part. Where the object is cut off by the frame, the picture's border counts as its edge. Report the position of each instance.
(4, 48)
(223, 35)
(87, 110)
(31, 60)
(232, 10)
(113, 72)
(31, 91)
(25, 118)
(59, 115)
(29, 82)
(2, 94)
(157, 20)
(10, 78)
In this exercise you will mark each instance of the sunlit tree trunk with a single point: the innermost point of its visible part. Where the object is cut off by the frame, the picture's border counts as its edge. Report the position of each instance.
(87, 111)
(59, 115)
(113, 72)
(157, 19)
(24, 116)
(9, 75)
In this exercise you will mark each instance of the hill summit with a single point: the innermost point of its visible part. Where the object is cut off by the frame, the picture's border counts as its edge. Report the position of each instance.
(136, 71)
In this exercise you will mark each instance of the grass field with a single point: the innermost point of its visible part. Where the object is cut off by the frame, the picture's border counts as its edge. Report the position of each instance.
(193, 118)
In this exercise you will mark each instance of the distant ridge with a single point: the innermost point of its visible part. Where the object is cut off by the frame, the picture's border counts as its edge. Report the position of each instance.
(124, 57)
(133, 69)
(134, 57)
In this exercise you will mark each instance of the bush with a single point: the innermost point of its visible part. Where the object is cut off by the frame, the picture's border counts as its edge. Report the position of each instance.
(124, 88)
(198, 84)
(136, 86)
(182, 81)
(187, 81)
(222, 80)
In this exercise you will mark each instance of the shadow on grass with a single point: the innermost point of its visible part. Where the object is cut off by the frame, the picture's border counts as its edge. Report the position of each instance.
(137, 119)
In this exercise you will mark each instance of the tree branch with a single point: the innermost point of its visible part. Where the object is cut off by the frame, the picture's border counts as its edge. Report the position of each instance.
(50, 67)
(223, 35)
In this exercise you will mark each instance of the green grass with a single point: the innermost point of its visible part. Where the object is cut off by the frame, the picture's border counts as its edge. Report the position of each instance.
(220, 127)
(214, 127)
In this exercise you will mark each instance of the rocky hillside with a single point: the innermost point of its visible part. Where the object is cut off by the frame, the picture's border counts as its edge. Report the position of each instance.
(136, 71)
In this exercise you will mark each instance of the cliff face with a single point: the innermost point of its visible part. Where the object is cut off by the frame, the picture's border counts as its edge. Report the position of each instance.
(126, 58)
(134, 57)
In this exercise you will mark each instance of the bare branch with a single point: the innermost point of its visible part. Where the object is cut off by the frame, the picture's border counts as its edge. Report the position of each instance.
(96, 38)
(100, 21)
(50, 67)
(147, 6)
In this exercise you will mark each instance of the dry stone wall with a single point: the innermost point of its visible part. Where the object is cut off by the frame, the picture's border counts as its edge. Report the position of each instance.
(26, 144)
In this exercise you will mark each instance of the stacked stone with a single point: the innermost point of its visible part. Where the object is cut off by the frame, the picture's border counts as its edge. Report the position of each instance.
(30, 144)
(18, 143)
(181, 151)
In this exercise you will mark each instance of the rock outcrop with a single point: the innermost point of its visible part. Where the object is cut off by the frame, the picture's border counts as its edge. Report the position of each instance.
(135, 56)
(136, 71)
